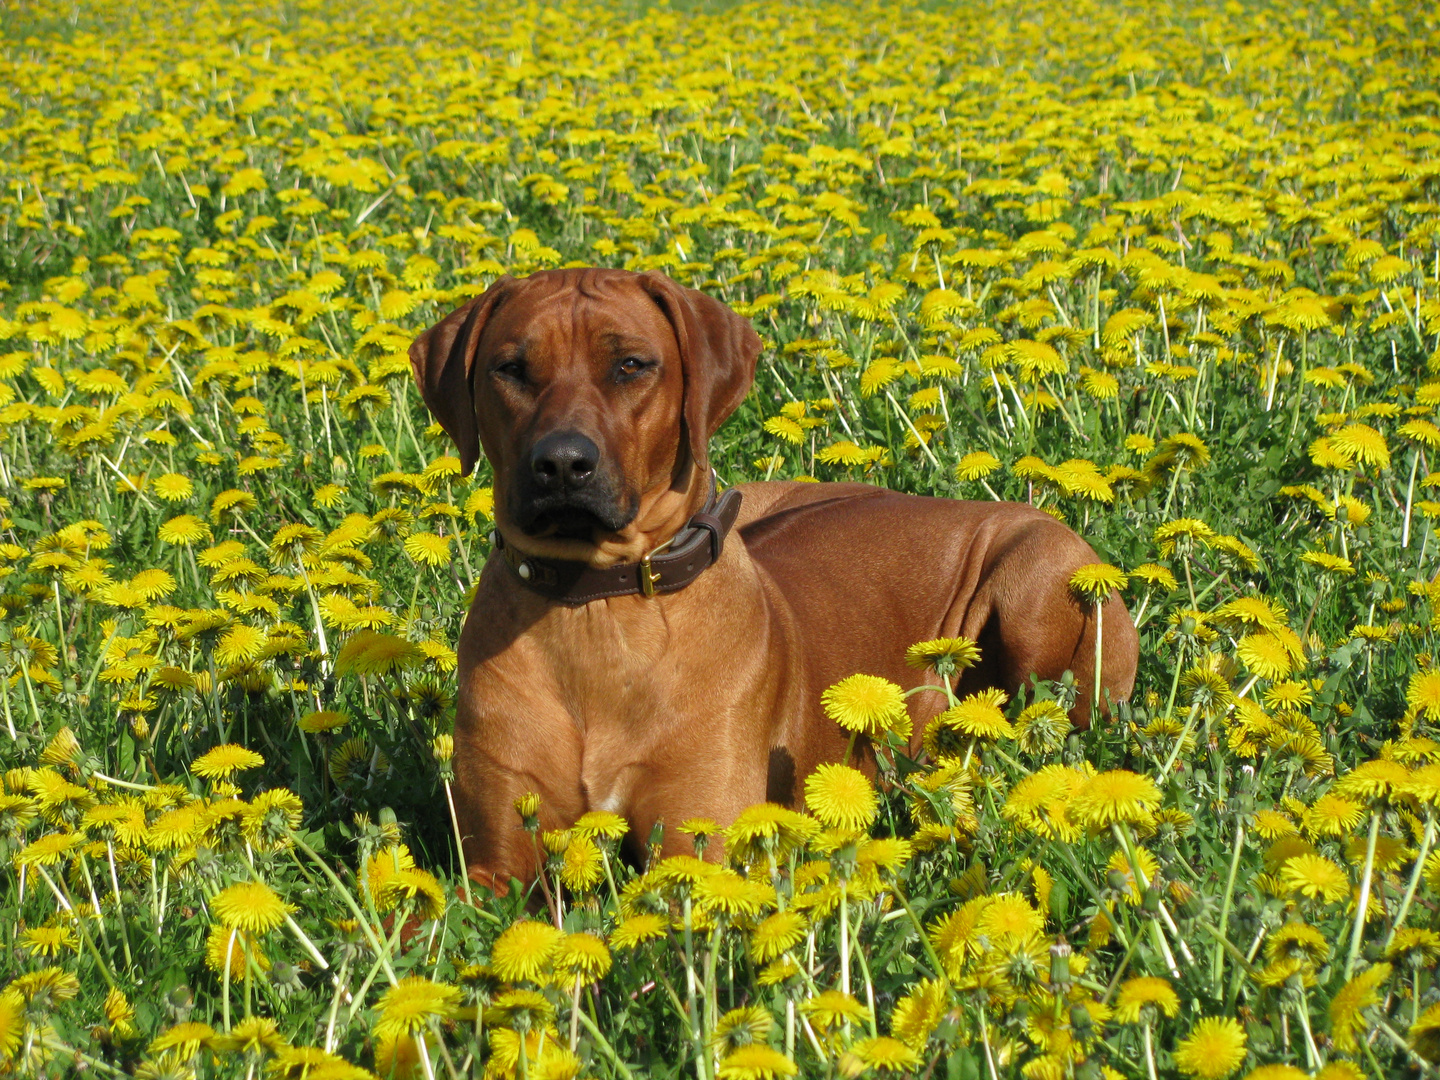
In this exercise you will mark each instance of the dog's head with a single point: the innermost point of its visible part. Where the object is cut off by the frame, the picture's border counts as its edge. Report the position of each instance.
(593, 394)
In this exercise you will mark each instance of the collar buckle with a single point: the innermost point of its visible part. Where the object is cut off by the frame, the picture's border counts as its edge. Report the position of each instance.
(649, 577)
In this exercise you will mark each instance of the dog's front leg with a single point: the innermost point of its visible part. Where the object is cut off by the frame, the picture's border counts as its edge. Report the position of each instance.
(703, 778)
(498, 760)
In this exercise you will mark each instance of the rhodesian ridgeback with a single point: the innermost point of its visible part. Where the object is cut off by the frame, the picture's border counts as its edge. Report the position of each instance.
(633, 644)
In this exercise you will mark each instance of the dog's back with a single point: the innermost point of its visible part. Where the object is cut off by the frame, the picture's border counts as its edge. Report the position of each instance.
(878, 570)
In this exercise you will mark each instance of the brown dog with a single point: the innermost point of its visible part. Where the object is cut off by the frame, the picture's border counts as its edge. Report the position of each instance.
(593, 393)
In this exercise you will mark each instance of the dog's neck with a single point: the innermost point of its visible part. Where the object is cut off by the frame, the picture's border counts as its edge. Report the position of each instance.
(662, 515)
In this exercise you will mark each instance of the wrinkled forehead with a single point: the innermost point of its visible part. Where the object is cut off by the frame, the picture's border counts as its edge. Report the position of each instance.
(556, 314)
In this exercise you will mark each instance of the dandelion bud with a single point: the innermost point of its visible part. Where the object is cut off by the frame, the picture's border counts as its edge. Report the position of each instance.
(528, 807)
(140, 727)
(1080, 1022)
(1151, 902)
(1060, 964)
(443, 748)
(555, 841)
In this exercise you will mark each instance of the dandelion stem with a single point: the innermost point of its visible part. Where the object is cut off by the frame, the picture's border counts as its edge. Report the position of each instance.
(1365, 877)
(225, 979)
(342, 981)
(1302, 1013)
(345, 895)
(605, 1047)
(1122, 837)
(65, 903)
(460, 846)
(1409, 500)
(1179, 743)
(930, 953)
(1217, 964)
(1415, 874)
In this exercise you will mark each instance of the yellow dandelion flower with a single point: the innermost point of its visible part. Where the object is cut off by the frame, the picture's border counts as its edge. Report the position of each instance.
(250, 906)
(1332, 815)
(524, 951)
(776, 935)
(234, 503)
(184, 1039)
(1277, 1072)
(1316, 877)
(1425, 1033)
(1009, 917)
(886, 1054)
(48, 849)
(1374, 779)
(12, 1023)
(1423, 694)
(638, 929)
(255, 1035)
(1272, 824)
(184, 530)
(1265, 655)
(1213, 1050)
(1095, 583)
(1362, 443)
(1146, 991)
(726, 892)
(976, 465)
(172, 487)
(225, 761)
(738, 1028)
(583, 956)
(239, 644)
(1155, 576)
(841, 798)
(47, 941)
(371, 653)
(831, 1008)
(324, 720)
(755, 1062)
(1330, 564)
(602, 823)
(328, 496)
(978, 716)
(1113, 797)
(919, 1013)
(1042, 727)
(943, 655)
(582, 866)
(410, 1005)
(428, 549)
(237, 944)
(866, 704)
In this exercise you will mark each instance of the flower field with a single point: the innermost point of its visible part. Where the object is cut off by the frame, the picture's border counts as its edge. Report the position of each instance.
(1173, 276)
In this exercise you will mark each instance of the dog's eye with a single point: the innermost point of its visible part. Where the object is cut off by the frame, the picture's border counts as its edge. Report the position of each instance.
(511, 369)
(630, 367)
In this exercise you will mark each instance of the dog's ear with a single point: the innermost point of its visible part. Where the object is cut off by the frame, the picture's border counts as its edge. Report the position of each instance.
(442, 358)
(718, 350)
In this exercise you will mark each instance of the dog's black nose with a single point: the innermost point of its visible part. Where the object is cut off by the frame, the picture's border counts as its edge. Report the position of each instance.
(563, 460)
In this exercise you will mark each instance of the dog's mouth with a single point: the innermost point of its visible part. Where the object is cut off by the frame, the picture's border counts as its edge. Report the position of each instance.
(571, 518)
(565, 523)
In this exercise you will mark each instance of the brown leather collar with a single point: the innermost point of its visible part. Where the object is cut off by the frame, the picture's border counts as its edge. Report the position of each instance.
(685, 556)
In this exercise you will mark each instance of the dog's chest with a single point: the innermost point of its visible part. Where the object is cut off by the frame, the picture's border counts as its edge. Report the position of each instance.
(614, 666)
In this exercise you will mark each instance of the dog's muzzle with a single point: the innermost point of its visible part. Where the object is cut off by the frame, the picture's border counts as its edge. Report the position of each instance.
(566, 491)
